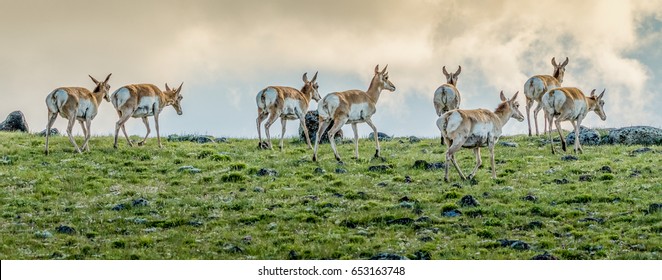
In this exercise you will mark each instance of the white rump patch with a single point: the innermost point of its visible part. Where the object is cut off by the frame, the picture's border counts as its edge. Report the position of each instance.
(328, 106)
(270, 96)
(119, 97)
(453, 122)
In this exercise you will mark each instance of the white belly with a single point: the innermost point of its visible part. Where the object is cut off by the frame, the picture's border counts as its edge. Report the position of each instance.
(86, 110)
(359, 113)
(147, 106)
(290, 108)
(480, 133)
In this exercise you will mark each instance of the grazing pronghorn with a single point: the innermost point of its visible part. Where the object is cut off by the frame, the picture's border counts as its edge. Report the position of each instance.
(76, 103)
(447, 97)
(288, 104)
(351, 106)
(537, 85)
(142, 101)
(475, 129)
(570, 104)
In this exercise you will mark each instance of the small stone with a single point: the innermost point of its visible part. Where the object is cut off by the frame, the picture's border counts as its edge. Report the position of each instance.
(382, 184)
(422, 255)
(231, 248)
(267, 172)
(641, 150)
(379, 168)
(380, 135)
(569, 158)
(654, 207)
(606, 169)
(341, 171)
(420, 164)
(139, 221)
(509, 144)
(530, 197)
(293, 255)
(545, 257)
(404, 198)
(585, 178)
(456, 185)
(561, 181)
(189, 169)
(387, 256)
(468, 201)
(54, 132)
(43, 234)
(311, 197)
(118, 207)
(515, 244)
(425, 238)
(140, 202)
(414, 139)
(272, 226)
(65, 229)
(247, 239)
(337, 195)
(319, 170)
(407, 204)
(408, 179)
(258, 189)
(400, 221)
(452, 213)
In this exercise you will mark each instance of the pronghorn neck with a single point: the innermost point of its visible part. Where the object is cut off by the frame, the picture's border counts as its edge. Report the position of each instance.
(307, 91)
(503, 111)
(557, 75)
(98, 95)
(374, 89)
(166, 99)
(591, 103)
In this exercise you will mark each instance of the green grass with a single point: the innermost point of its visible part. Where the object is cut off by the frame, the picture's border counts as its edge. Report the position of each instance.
(227, 211)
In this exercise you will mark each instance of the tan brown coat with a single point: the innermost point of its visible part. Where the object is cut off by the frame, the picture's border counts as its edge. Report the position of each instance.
(537, 85)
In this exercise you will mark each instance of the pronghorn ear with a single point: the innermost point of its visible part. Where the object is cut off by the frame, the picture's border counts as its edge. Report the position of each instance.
(565, 62)
(180, 88)
(515, 96)
(602, 94)
(444, 70)
(384, 70)
(305, 77)
(106, 81)
(167, 87)
(93, 79)
(593, 93)
(503, 97)
(314, 77)
(554, 62)
(377, 69)
(459, 69)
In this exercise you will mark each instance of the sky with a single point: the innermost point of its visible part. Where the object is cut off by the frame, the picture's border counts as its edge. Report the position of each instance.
(225, 52)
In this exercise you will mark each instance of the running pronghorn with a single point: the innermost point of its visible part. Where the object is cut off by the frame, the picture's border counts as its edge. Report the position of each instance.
(351, 106)
(537, 85)
(142, 101)
(570, 104)
(447, 97)
(76, 103)
(475, 129)
(288, 104)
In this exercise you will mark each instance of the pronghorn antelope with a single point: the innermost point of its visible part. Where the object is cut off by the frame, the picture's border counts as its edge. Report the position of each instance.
(570, 104)
(447, 97)
(475, 129)
(142, 101)
(76, 103)
(351, 106)
(537, 85)
(288, 104)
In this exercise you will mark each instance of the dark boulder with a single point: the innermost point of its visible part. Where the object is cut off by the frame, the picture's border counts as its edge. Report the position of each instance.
(15, 122)
(635, 135)
(312, 123)
(381, 136)
(587, 136)
(54, 132)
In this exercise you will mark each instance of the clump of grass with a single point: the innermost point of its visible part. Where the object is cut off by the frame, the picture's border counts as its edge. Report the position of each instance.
(233, 177)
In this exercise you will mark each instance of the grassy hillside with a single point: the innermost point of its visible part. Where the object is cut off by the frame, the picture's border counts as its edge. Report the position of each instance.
(145, 203)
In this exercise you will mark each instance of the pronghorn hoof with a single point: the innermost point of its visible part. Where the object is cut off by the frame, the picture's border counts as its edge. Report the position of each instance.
(141, 143)
(314, 158)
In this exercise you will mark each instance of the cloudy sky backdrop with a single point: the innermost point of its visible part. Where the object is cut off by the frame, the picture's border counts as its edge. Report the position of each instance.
(226, 51)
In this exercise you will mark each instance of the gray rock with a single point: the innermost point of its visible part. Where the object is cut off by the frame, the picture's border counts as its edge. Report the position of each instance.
(312, 123)
(569, 158)
(15, 122)
(65, 229)
(545, 257)
(43, 234)
(341, 170)
(587, 136)
(381, 136)
(515, 244)
(189, 169)
(267, 172)
(468, 201)
(452, 213)
(509, 144)
(388, 256)
(192, 138)
(635, 135)
(379, 168)
(140, 202)
(414, 139)
(54, 132)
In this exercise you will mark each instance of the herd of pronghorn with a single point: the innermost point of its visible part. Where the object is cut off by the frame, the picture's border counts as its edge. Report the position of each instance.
(460, 128)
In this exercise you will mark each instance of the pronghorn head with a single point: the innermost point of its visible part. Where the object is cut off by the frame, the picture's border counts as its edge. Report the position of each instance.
(382, 79)
(174, 97)
(310, 87)
(452, 77)
(559, 69)
(598, 104)
(512, 105)
(102, 87)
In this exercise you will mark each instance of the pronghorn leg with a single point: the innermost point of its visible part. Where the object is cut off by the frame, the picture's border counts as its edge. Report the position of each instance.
(51, 120)
(322, 126)
(337, 125)
(302, 118)
(448, 143)
(261, 116)
(267, 126)
(158, 134)
(479, 162)
(578, 145)
(558, 128)
(535, 116)
(120, 124)
(450, 156)
(529, 104)
(283, 123)
(146, 122)
(491, 147)
(356, 141)
(87, 132)
(550, 119)
(82, 126)
(545, 129)
(374, 129)
(70, 126)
